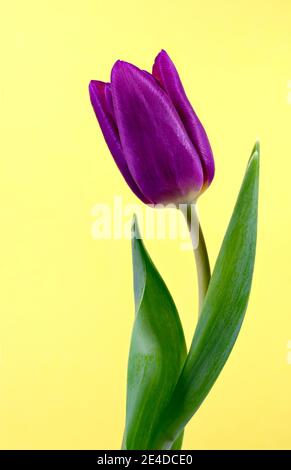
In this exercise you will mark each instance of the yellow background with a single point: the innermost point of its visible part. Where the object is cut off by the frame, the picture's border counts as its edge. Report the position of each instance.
(66, 303)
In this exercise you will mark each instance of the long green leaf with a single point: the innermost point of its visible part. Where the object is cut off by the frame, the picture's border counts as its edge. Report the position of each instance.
(157, 351)
(222, 313)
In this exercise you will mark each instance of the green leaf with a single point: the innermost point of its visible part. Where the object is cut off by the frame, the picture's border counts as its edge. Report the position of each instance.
(157, 352)
(222, 313)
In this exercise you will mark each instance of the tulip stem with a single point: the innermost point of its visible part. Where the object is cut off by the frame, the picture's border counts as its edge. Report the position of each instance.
(200, 252)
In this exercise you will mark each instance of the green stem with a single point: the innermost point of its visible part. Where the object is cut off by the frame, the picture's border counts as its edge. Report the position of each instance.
(200, 252)
(167, 435)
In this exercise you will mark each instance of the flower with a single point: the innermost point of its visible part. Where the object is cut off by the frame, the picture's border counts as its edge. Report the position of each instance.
(153, 133)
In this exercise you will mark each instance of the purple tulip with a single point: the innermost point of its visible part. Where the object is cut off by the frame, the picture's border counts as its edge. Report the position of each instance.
(153, 133)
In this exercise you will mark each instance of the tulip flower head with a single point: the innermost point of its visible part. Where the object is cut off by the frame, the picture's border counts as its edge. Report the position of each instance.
(153, 133)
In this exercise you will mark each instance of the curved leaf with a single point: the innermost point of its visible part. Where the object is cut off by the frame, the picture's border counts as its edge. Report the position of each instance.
(222, 313)
(157, 351)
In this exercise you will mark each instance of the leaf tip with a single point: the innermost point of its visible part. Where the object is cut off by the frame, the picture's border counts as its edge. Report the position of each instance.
(135, 233)
(255, 156)
(256, 152)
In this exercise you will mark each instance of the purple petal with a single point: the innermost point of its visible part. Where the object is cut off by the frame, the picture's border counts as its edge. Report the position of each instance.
(109, 102)
(158, 151)
(165, 72)
(101, 100)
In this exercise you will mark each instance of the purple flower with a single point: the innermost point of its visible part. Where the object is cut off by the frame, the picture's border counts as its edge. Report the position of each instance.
(153, 133)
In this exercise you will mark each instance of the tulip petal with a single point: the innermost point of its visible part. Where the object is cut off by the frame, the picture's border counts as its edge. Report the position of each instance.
(165, 72)
(108, 101)
(101, 100)
(158, 151)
